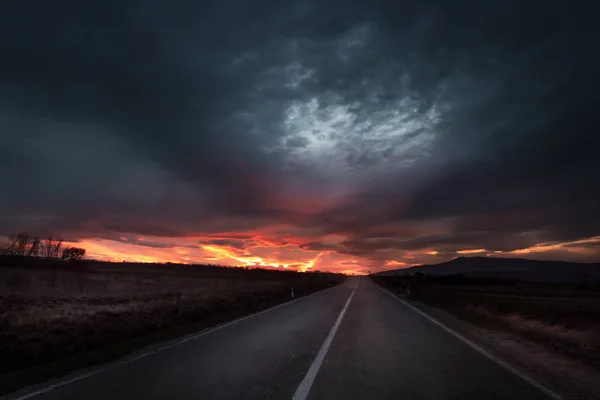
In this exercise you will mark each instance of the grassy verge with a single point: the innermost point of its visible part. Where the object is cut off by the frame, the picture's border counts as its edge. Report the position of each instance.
(555, 328)
(88, 317)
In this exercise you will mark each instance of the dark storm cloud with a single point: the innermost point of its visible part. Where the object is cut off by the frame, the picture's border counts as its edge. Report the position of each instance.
(448, 126)
(235, 243)
(315, 246)
(115, 105)
(141, 241)
(515, 152)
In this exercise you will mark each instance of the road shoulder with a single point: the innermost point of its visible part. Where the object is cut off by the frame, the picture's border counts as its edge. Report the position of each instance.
(566, 377)
(87, 363)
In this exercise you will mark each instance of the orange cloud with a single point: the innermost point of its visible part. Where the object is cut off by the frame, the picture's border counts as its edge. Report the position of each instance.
(582, 248)
(474, 251)
(268, 249)
(257, 252)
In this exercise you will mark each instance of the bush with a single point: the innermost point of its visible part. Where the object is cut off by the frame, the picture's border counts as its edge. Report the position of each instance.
(73, 253)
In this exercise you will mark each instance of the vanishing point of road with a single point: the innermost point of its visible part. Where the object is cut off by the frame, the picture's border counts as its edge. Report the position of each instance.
(352, 341)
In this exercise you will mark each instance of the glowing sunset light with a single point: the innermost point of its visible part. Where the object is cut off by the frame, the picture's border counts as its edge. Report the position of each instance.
(583, 248)
(106, 250)
(307, 149)
(474, 251)
(397, 264)
(328, 254)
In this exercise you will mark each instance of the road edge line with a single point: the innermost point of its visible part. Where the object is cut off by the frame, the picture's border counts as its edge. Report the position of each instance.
(550, 393)
(304, 387)
(64, 381)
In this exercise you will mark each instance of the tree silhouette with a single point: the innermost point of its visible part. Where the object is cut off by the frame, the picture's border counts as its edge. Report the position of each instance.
(21, 244)
(73, 253)
(51, 248)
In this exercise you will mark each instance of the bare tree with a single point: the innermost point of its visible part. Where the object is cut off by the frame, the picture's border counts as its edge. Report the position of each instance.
(21, 244)
(57, 247)
(73, 253)
(47, 247)
(51, 247)
(34, 247)
(5, 249)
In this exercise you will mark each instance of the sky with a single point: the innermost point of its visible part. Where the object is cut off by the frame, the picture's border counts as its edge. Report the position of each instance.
(326, 135)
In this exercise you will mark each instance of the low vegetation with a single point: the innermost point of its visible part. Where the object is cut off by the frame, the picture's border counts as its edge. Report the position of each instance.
(26, 245)
(563, 318)
(52, 308)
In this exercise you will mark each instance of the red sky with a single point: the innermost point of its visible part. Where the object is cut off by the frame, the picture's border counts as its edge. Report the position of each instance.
(348, 139)
(264, 252)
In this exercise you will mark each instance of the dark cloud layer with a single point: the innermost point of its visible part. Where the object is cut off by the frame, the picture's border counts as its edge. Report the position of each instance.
(398, 125)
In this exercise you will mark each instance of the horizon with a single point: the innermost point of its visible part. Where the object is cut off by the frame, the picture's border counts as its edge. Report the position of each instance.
(303, 135)
(97, 251)
(361, 272)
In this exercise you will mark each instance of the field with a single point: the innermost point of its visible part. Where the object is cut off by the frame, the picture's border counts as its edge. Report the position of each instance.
(50, 309)
(561, 321)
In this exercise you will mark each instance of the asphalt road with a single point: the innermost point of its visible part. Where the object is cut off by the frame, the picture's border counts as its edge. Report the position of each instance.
(353, 341)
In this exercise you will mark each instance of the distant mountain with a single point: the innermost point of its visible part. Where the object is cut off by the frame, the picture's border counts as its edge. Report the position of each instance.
(508, 268)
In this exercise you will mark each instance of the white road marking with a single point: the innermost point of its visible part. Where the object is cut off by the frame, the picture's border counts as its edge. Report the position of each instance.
(136, 357)
(60, 384)
(479, 349)
(306, 384)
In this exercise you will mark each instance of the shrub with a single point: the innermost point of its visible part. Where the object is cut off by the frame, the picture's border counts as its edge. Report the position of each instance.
(73, 253)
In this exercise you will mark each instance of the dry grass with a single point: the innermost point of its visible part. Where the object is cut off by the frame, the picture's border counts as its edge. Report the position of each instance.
(579, 342)
(553, 326)
(583, 338)
(572, 378)
(49, 314)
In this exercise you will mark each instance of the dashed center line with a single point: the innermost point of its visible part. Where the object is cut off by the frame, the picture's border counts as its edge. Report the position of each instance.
(306, 384)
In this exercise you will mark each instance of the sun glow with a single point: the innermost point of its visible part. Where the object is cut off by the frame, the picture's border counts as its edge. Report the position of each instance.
(473, 251)
(257, 250)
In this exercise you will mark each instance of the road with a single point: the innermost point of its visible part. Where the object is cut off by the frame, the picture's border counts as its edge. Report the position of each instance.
(353, 341)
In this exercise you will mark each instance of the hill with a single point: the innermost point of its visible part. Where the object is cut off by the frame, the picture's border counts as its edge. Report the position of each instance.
(508, 269)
